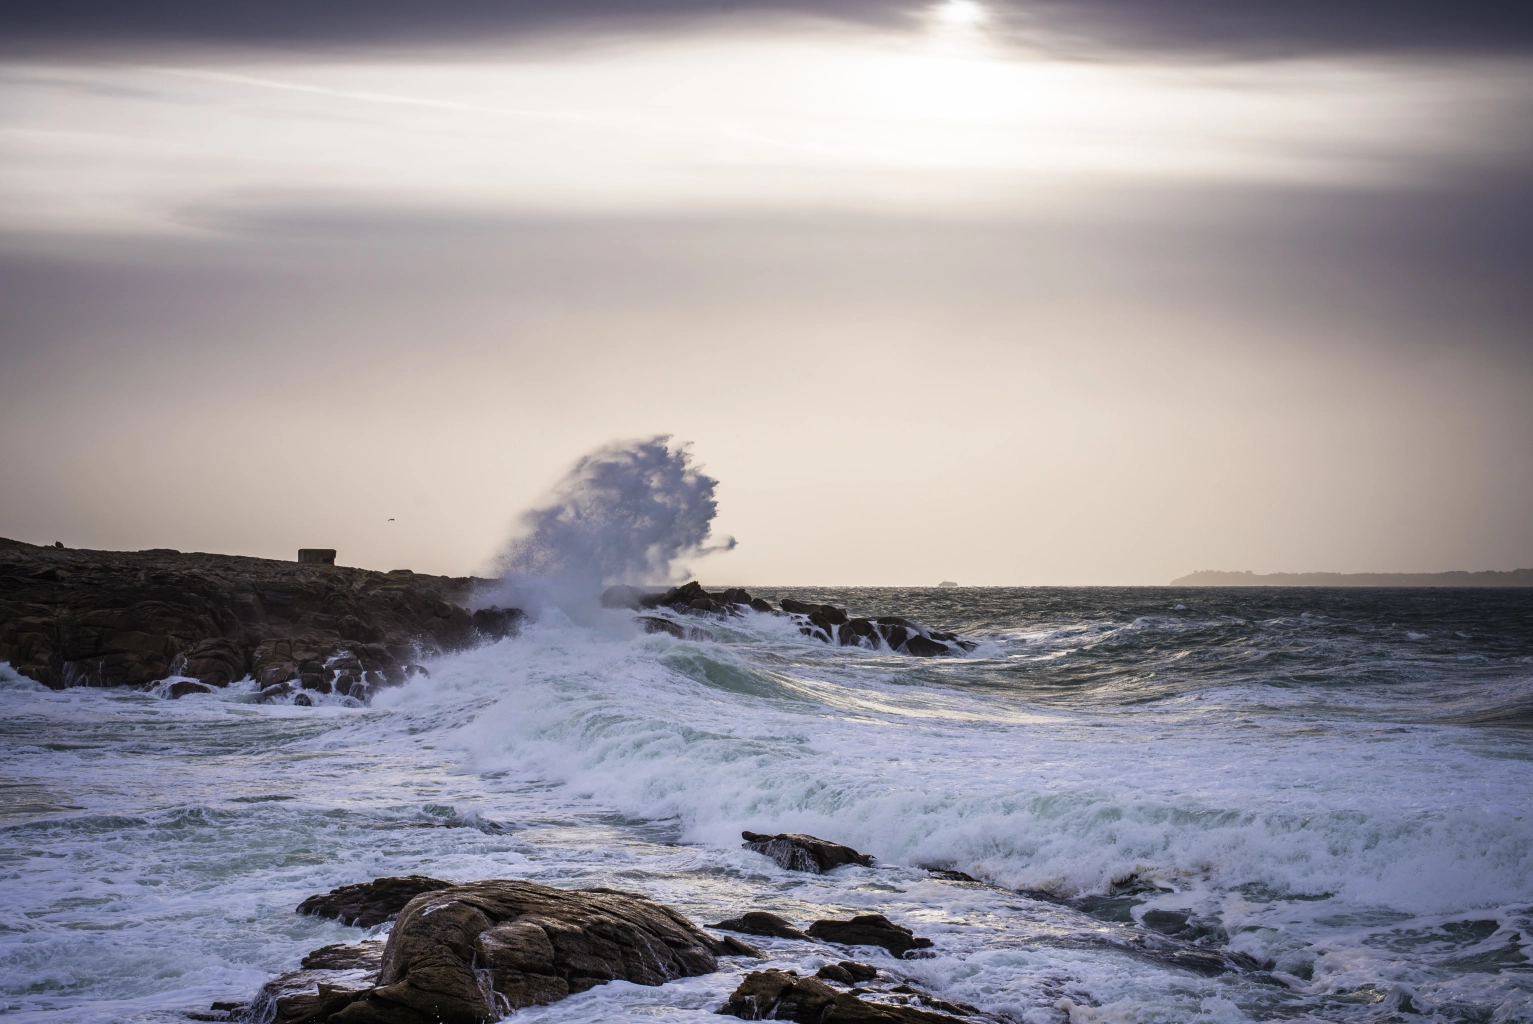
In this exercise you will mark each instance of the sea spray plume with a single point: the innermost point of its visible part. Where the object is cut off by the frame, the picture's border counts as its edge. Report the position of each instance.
(629, 512)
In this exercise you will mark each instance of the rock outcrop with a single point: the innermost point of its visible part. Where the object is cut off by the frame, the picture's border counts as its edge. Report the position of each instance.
(759, 922)
(132, 618)
(797, 852)
(847, 972)
(822, 621)
(371, 903)
(782, 995)
(467, 954)
(869, 930)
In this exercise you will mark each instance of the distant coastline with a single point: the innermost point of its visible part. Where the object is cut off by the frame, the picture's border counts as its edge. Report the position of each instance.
(1216, 578)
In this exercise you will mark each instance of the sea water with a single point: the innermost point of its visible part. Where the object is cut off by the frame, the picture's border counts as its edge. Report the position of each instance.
(1338, 783)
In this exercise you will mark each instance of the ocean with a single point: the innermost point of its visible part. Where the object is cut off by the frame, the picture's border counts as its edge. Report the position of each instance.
(1338, 783)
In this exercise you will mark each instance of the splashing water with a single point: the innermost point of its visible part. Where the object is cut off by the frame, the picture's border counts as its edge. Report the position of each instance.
(629, 512)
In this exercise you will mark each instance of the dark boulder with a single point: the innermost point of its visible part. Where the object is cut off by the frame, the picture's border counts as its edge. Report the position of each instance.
(761, 605)
(759, 922)
(848, 972)
(921, 647)
(370, 903)
(804, 853)
(869, 930)
(470, 953)
(186, 688)
(783, 995)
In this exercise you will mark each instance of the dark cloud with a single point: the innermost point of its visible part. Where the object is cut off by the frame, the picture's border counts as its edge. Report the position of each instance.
(1193, 27)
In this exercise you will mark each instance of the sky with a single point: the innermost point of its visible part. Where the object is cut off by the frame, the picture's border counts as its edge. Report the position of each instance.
(1007, 293)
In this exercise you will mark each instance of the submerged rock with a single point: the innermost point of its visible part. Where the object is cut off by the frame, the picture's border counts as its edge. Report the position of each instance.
(371, 903)
(133, 618)
(782, 995)
(759, 922)
(869, 930)
(797, 852)
(466, 954)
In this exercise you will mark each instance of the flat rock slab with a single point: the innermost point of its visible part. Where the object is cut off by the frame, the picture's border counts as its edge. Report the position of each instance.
(869, 930)
(759, 922)
(370, 903)
(466, 954)
(797, 852)
(782, 995)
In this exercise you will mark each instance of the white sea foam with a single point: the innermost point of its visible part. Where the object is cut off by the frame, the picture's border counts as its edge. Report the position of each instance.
(162, 844)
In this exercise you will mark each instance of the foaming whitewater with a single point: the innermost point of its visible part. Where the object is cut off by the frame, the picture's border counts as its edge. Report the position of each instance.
(1334, 782)
(629, 512)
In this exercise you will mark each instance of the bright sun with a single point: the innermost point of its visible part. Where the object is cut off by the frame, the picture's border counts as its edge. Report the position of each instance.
(960, 12)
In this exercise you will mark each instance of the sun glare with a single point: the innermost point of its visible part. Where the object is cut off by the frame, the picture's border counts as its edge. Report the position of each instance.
(959, 12)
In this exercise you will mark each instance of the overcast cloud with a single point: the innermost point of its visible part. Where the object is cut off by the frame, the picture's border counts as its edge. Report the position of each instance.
(1046, 293)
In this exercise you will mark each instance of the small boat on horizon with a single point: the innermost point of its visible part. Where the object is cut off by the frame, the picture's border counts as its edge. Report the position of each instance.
(947, 583)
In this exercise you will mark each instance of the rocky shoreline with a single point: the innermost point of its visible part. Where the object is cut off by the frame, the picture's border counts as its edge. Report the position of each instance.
(134, 618)
(478, 951)
(197, 622)
(823, 622)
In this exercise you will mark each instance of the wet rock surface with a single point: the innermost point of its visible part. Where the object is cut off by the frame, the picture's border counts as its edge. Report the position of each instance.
(869, 930)
(470, 953)
(848, 972)
(759, 922)
(132, 618)
(797, 852)
(824, 622)
(371, 903)
(783, 995)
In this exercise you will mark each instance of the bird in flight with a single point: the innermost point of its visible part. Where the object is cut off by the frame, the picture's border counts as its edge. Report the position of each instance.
(391, 520)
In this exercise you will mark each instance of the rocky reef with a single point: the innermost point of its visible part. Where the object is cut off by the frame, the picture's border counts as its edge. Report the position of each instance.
(470, 953)
(132, 618)
(824, 622)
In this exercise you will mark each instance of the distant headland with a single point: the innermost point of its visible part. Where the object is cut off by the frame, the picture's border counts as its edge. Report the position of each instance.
(1215, 578)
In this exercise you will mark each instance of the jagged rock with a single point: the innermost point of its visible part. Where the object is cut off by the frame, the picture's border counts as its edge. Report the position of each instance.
(215, 661)
(824, 622)
(370, 903)
(467, 954)
(655, 624)
(835, 616)
(848, 972)
(132, 618)
(804, 853)
(782, 995)
(497, 623)
(303, 700)
(949, 875)
(869, 930)
(363, 956)
(759, 922)
(186, 688)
